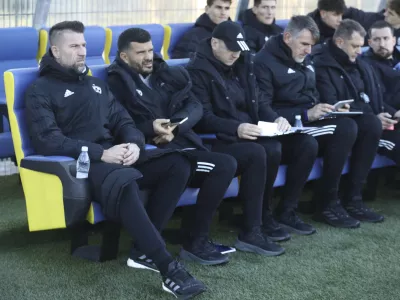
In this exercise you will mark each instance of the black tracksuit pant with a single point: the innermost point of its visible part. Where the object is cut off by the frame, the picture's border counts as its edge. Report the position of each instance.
(358, 137)
(258, 165)
(166, 177)
(389, 145)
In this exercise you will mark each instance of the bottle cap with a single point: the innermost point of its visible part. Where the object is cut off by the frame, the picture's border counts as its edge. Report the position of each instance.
(84, 148)
(298, 117)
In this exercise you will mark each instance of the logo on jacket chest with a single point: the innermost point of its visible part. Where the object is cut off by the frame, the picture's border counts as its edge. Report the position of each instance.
(139, 92)
(96, 88)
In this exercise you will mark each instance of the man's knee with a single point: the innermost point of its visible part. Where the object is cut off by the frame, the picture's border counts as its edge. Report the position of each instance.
(346, 129)
(273, 149)
(307, 144)
(224, 164)
(179, 165)
(370, 125)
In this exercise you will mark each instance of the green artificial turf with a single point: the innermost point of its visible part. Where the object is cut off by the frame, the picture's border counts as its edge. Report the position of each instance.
(334, 264)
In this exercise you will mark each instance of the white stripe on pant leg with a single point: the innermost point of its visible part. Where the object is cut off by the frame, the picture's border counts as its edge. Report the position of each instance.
(205, 164)
(202, 170)
(387, 144)
(320, 132)
(205, 168)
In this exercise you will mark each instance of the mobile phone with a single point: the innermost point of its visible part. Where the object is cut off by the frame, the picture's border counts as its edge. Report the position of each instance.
(175, 121)
(338, 105)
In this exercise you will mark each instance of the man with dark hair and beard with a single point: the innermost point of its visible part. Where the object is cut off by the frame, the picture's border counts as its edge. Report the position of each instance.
(259, 23)
(66, 110)
(154, 92)
(384, 56)
(287, 76)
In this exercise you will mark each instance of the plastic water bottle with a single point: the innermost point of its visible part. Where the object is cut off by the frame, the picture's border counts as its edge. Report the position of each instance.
(83, 164)
(297, 122)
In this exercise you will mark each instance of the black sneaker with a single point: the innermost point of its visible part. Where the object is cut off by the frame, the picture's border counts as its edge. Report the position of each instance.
(336, 216)
(273, 230)
(138, 260)
(292, 222)
(203, 251)
(180, 283)
(256, 241)
(358, 210)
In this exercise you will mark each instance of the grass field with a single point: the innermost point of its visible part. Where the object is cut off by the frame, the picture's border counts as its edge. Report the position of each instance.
(334, 264)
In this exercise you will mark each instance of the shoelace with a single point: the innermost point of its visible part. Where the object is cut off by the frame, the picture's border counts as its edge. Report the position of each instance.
(293, 217)
(180, 273)
(270, 221)
(339, 210)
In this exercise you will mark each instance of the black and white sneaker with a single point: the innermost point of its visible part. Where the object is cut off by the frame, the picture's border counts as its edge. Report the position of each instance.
(180, 283)
(256, 241)
(336, 216)
(140, 261)
(358, 210)
(203, 251)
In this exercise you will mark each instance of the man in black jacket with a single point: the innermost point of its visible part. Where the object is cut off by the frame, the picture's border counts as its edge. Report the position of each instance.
(233, 106)
(217, 11)
(153, 92)
(342, 75)
(384, 56)
(287, 77)
(259, 24)
(65, 110)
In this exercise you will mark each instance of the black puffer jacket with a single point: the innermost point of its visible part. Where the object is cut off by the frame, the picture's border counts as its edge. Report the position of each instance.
(220, 113)
(335, 83)
(257, 33)
(170, 97)
(288, 86)
(389, 77)
(202, 29)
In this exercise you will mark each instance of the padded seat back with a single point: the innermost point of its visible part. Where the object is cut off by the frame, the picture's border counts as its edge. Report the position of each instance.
(113, 32)
(17, 81)
(173, 34)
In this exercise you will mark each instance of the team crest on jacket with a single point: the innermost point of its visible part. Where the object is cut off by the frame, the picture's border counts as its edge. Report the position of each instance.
(139, 92)
(96, 88)
(311, 68)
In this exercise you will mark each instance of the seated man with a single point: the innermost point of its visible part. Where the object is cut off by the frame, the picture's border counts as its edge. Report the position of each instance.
(217, 11)
(224, 81)
(286, 76)
(155, 93)
(328, 16)
(259, 24)
(384, 57)
(65, 110)
(342, 75)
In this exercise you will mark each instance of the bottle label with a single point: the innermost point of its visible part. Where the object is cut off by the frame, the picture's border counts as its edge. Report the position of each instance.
(81, 175)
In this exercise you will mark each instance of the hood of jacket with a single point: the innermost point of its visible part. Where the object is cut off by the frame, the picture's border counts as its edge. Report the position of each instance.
(329, 55)
(51, 68)
(250, 19)
(205, 22)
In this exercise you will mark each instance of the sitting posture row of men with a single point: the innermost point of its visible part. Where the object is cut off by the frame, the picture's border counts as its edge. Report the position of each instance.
(259, 22)
(225, 89)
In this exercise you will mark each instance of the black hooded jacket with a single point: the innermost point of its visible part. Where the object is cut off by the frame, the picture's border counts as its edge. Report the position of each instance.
(257, 33)
(213, 83)
(170, 96)
(288, 86)
(388, 76)
(325, 31)
(65, 111)
(187, 45)
(337, 79)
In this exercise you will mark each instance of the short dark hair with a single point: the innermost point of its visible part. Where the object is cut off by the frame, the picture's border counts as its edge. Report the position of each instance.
(337, 6)
(299, 23)
(211, 2)
(130, 35)
(380, 25)
(258, 2)
(346, 29)
(394, 5)
(58, 28)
